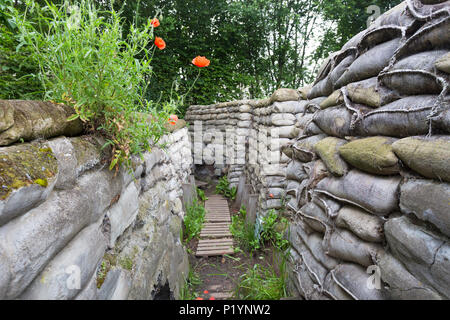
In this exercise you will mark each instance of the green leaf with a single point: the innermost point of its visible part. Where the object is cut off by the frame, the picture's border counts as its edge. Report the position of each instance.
(73, 117)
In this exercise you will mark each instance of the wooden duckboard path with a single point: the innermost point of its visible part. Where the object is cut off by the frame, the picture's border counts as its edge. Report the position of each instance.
(215, 237)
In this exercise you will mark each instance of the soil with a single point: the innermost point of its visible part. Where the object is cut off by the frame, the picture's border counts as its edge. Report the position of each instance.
(220, 275)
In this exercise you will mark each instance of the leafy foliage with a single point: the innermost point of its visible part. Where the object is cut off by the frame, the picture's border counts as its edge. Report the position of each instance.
(84, 62)
(18, 68)
(244, 233)
(223, 188)
(262, 283)
(201, 195)
(256, 46)
(187, 292)
(272, 224)
(193, 221)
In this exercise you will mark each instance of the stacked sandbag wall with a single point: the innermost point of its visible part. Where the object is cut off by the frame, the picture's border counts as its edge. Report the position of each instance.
(369, 177)
(70, 228)
(248, 136)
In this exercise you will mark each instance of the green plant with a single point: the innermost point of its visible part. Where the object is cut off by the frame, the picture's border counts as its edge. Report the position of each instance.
(102, 272)
(262, 283)
(18, 66)
(271, 225)
(201, 195)
(86, 62)
(194, 219)
(193, 280)
(243, 232)
(223, 188)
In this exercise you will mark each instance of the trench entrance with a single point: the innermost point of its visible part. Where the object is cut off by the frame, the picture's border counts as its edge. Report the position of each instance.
(237, 275)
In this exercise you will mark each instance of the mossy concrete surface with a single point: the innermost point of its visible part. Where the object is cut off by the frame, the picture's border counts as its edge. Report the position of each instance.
(30, 166)
(29, 120)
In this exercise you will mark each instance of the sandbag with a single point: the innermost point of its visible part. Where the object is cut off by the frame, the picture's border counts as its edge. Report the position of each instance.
(294, 189)
(424, 253)
(397, 16)
(379, 35)
(428, 200)
(354, 280)
(283, 94)
(328, 204)
(289, 132)
(314, 104)
(334, 99)
(322, 88)
(334, 121)
(372, 155)
(304, 148)
(289, 107)
(303, 280)
(315, 269)
(413, 82)
(377, 195)
(282, 119)
(287, 150)
(427, 9)
(402, 118)
(316, 171)
(369, 64)
(366, 226)
(29, 120)
(443, 64)
(369, 93)
(295, 171)
(427, 156)
(314, 242)
(314, 217)
(343, 245)
(402, 284)
(304, 91)
(342, 66)
(331, 288)
(312, 129)
(432, 36)
(328, 150)
(442, 120)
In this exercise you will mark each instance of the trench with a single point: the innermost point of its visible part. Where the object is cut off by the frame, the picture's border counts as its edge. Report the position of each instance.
(230, 276)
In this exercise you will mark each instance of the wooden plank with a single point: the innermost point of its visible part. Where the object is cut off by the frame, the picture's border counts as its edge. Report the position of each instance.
(217, 235)
(227, 244)
(225, 233)
(215, 240)
(223, 248)
(213, 253)
(216, 228)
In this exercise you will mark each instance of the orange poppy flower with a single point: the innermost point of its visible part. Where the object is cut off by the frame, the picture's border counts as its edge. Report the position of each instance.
(206, 292)
(199, 298)
(160, 43)
(173, 119)
(200, 62)
(271, 195)
(155, 22)
(212, 298)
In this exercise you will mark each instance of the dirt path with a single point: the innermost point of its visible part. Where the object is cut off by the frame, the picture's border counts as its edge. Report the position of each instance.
(221, 275)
